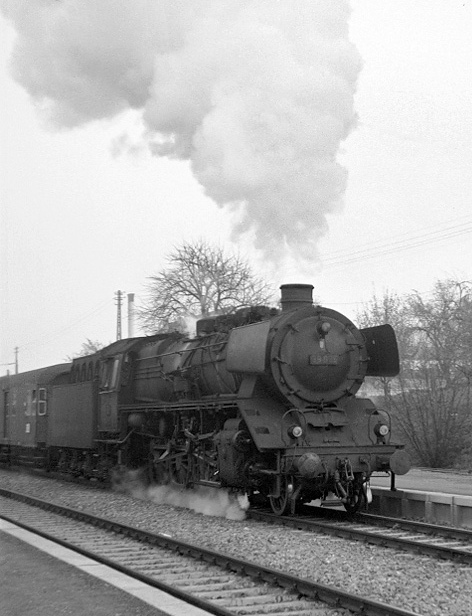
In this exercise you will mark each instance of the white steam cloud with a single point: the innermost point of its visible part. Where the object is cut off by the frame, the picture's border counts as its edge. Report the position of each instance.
(207, 501)
(256, 94)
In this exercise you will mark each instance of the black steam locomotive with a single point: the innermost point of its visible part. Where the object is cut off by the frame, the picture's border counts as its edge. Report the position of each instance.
(261, 401)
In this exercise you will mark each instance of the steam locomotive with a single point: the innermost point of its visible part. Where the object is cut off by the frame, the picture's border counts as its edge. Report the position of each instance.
(261, 401)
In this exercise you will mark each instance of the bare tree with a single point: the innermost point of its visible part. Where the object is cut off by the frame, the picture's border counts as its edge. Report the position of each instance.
(436, 414)
(200, 280)
(89, 347)
(431, 397)
(391, 309)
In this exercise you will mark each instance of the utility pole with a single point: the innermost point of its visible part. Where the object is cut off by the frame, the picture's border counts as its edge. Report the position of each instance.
(13, 363)
(118, 314)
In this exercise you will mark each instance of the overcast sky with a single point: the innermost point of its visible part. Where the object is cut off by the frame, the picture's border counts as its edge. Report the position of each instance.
(327, 148)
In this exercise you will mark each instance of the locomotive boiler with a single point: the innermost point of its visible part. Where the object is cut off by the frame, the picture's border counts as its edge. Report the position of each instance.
(264, 402)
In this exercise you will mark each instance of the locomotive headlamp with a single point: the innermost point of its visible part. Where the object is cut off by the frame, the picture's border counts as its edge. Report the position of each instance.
(381, 429)
(323, 328)
(295, 431)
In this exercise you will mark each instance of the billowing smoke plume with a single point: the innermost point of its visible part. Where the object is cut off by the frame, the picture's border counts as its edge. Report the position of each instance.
(256, 94)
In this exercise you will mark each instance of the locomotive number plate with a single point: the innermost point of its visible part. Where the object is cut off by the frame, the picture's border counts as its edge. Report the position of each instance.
(323, 359)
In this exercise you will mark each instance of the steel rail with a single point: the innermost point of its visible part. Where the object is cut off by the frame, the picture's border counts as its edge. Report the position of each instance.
(424, 539)
(332, 596)
(429, 528)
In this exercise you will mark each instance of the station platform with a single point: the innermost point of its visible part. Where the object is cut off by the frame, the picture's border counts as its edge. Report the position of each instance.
(428, 480)
(435, 496)
(42, 578)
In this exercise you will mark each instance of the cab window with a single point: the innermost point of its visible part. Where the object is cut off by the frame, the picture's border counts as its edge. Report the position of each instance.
(42, 402)
(109, 373)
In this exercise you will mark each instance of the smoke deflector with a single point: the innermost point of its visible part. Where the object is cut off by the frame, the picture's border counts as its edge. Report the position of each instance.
(382, 350)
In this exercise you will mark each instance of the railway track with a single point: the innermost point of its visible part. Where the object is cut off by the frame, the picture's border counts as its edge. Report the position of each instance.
(220, 584)
(434, 540)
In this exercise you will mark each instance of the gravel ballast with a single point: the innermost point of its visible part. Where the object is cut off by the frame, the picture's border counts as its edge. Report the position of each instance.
(421, 584)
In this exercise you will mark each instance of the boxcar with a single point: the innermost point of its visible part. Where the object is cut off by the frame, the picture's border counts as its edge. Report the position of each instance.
(25, 402)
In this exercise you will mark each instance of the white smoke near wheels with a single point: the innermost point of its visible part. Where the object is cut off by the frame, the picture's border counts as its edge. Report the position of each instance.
(256, 94)
(209, 501)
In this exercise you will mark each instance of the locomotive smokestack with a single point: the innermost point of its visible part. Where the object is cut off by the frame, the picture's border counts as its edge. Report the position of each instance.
(295, 296)
(130, 315)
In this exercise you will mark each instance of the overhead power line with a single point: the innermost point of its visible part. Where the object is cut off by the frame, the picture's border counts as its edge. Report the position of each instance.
(409, 241)
(57, 333)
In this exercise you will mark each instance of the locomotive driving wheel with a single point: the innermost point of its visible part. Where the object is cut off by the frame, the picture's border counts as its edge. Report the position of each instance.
(281, 504)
